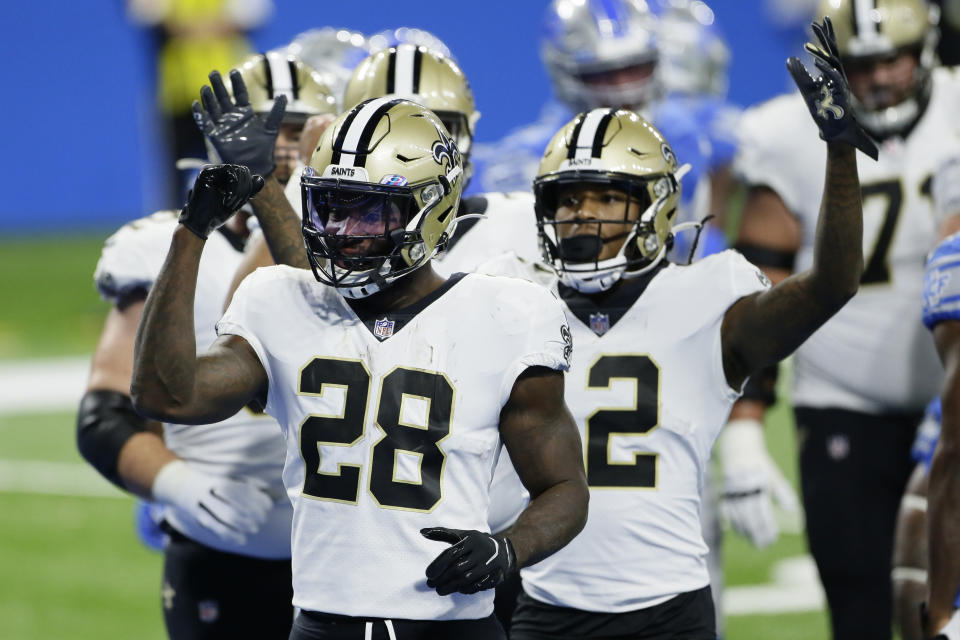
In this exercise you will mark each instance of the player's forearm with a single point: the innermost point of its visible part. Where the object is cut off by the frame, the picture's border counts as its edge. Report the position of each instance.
(281, 225)
(165, 358)
(140, 460)
(943, 511)
(549, 522)
(838, 247)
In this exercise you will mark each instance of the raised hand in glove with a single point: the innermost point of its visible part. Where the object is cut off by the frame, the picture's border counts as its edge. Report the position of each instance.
(476, 561)
(229, 508)
(237, 132)
(751, 483)
(828, 96)
(219, 191)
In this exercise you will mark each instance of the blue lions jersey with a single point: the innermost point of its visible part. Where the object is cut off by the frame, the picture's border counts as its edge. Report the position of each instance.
(941, 283)
(927, 435)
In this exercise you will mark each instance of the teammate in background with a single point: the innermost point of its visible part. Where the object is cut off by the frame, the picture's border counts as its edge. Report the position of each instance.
(662, 352)
(860, 383)
(226, 564)
(376, 380)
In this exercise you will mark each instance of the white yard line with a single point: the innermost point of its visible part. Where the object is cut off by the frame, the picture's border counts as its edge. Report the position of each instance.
(795, 588)
(48, 384)
(54, 478)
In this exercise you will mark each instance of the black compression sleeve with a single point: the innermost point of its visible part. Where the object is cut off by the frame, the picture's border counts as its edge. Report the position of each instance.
(762, 386)
(764, 257)
(105, 421)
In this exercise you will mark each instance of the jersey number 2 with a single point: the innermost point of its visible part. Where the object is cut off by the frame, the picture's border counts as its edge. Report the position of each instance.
(639, 420)
(419, 442)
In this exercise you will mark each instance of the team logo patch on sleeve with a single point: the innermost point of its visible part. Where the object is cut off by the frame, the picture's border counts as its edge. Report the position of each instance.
(599, 323)
(383, 328)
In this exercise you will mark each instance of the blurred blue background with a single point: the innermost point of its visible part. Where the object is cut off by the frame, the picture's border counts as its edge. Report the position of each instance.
(82, 141)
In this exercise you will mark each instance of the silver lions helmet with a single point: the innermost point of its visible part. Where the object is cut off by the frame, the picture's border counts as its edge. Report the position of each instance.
(693, 54)
(333, 53)
(602, 53)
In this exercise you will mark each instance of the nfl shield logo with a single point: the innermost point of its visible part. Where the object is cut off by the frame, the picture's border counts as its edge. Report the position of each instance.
(209, 610)
(383, 328)
(600, 323)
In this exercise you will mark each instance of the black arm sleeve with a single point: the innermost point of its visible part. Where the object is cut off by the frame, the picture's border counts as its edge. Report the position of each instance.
(105, 421)
(762, 386)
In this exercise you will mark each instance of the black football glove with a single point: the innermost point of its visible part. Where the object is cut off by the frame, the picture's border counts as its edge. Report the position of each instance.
(219, 191)
(828, 96)
(476, 561)
(239, 135)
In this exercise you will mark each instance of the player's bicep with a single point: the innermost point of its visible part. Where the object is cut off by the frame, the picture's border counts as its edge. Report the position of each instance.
(540, 433)
(230, 375)
(769, 235)
(112, 365)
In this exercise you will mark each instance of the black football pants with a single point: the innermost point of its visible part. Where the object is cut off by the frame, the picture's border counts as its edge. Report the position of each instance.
(311, 625)
(688, 616)
(208, 594)
(853, 470)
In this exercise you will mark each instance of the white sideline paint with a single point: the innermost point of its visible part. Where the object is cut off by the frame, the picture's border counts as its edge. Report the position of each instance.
(54, 478)
(795, 588)
(48, 384)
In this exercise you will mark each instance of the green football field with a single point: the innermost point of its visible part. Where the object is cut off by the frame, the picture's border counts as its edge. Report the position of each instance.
(70, 565)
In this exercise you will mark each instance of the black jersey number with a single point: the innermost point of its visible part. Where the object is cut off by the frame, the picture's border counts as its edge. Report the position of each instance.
(640, 419)
(877, 269)
(421, 441)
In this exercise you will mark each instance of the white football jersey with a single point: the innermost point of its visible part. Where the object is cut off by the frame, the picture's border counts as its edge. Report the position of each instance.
(649, 394)
(392, 425)
(874, 355)
(248, 445)
(510, 225)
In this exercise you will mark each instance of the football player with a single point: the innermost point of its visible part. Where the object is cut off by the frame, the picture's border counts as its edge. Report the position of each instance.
(226, 557)
(662, 353)
(598, 53)
(860, 384)
(393, 386)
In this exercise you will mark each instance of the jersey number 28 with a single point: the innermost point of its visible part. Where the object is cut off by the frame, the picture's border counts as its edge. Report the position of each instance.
(421, 442)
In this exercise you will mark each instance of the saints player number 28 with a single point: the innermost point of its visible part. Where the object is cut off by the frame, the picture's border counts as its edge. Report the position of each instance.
(419, 439)
(638, 420)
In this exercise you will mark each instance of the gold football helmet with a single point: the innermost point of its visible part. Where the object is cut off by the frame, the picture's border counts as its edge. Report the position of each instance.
(380, 195)
(624, 160)
(423, 76)
(875, 30)
(271, 74)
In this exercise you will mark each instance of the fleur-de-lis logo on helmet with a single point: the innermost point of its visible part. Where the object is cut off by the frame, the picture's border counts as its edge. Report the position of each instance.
(445, 152)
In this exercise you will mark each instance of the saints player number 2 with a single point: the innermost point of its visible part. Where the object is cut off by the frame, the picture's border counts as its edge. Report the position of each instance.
(608, 423)
(413, 412)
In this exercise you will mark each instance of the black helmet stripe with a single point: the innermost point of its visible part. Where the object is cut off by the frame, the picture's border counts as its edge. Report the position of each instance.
(391, 70)
(572, 147)
(354, 136)
(294, 80)
(589, 134)
(861, 12)
(268, 75)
